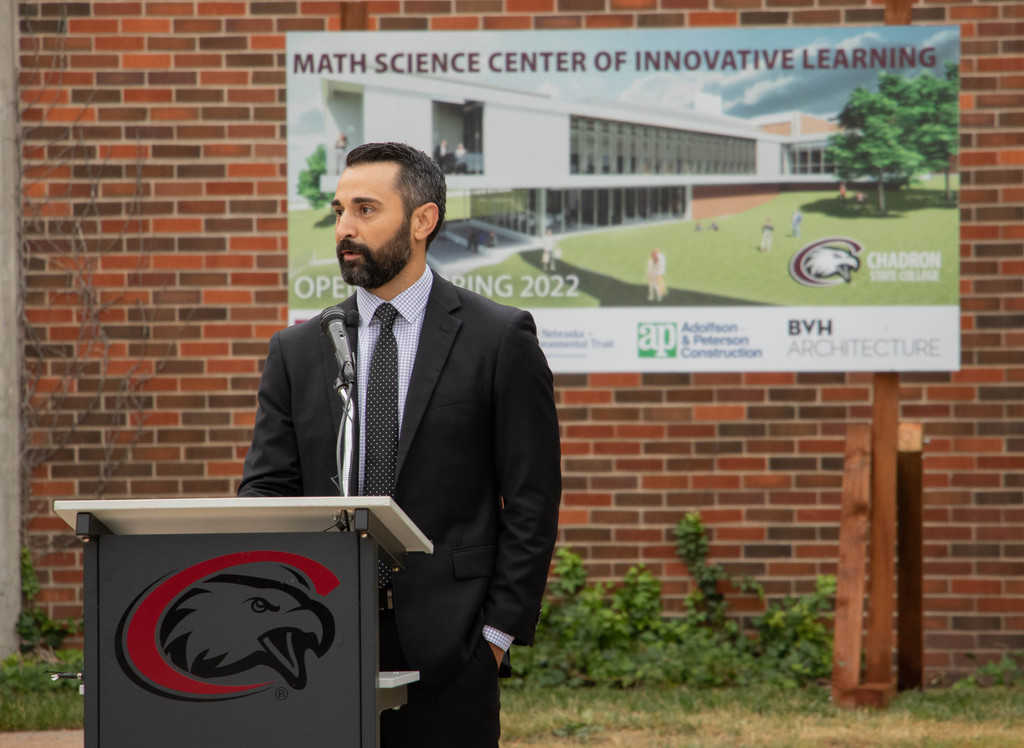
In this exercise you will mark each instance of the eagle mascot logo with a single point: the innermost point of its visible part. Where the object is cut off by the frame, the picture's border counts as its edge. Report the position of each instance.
(826, 262)
(225, 627)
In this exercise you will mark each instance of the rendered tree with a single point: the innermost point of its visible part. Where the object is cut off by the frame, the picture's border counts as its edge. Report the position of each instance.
(934, 132)
(309, 179)
(875, 141)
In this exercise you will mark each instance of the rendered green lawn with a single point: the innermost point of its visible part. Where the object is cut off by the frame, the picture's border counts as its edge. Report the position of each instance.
(723, 266)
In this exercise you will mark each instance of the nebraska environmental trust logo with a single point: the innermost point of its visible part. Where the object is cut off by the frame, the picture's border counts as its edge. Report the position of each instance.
(228, 627)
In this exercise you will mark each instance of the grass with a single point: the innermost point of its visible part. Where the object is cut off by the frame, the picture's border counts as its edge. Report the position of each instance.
(727, 262)
(50, 710)
(710, 266)
(758, 717)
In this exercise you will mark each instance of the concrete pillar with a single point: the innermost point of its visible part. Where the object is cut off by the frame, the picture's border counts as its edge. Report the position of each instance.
(10, 340)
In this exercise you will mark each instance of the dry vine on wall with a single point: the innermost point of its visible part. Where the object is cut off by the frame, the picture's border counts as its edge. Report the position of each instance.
(86, 307)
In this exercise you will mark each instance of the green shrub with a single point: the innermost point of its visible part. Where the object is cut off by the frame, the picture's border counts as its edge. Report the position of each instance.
(33, 673)
(1008, 670)
(595, 634)
(706, 604)
(35, 628)
(793, 641)
(587, 636)
(31, 700)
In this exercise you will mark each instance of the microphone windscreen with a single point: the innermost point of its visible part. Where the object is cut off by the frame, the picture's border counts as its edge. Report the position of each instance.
(329, 315)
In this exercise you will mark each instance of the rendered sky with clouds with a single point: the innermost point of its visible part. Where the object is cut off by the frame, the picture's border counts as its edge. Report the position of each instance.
(745, 93)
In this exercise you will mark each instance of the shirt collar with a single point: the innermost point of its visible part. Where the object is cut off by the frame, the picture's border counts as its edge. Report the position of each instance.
(410, 303)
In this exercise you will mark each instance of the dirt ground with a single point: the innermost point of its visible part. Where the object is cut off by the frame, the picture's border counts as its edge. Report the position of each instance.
(50, 739)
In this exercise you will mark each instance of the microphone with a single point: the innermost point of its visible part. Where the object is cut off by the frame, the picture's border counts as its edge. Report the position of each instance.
(332, 323)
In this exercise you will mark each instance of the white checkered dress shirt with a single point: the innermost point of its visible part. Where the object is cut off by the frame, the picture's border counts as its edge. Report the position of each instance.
(411, 305)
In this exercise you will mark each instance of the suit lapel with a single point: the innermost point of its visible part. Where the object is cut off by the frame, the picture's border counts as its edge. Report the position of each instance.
(436, 339)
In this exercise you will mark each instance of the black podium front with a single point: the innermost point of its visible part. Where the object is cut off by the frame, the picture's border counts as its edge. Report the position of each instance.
(236, 622)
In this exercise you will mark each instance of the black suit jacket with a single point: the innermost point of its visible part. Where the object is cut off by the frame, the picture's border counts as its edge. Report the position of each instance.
(478, 466)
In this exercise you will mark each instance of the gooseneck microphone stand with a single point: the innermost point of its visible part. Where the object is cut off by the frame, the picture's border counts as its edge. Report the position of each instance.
(345, 441)
(333, 322)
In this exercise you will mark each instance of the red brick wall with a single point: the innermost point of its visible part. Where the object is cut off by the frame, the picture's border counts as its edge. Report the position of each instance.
(154, 163)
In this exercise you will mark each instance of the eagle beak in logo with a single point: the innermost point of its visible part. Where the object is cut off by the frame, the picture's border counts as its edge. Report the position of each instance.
(287, 646)
(232, 623)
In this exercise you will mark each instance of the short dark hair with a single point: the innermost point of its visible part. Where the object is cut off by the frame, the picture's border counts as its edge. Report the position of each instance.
(419, 181)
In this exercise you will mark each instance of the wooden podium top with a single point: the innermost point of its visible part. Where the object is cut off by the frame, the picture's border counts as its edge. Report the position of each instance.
(238, 515)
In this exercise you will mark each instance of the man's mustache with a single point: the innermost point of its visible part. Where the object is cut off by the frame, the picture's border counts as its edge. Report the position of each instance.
(351, 247)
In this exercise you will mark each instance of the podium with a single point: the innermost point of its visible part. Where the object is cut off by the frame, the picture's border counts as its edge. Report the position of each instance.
(237, 621)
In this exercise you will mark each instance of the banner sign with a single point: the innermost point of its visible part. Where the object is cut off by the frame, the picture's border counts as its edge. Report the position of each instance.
(662, 200)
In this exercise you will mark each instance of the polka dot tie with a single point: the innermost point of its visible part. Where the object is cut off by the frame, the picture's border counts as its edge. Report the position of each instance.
(381, 431)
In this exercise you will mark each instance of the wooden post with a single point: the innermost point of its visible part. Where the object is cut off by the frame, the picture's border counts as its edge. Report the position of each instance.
(882, 563)
(909, 551)
(853, 536)
(353, 16)
(869, 509)
(898, 12)
(879, 685)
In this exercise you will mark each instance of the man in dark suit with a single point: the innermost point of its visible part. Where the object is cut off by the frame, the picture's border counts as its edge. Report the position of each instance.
(478, 465)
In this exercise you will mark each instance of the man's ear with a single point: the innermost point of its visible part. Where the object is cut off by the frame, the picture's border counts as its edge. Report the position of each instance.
(424, 219)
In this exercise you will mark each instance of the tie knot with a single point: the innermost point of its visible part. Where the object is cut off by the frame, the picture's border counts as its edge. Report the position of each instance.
(387, 315)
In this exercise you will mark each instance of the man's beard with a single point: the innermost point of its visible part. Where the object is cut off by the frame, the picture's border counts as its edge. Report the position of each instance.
(376, 266)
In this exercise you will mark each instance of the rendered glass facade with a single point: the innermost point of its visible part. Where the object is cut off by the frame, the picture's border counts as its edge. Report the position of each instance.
(599, 146)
